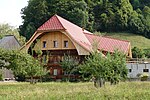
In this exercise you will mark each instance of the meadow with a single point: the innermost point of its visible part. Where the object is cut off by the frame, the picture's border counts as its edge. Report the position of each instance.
(74, 91)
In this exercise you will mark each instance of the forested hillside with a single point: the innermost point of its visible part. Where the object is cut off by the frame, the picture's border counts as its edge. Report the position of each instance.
(93, 15)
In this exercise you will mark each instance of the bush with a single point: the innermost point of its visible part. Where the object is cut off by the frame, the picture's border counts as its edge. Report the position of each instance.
(147, 53)
(137, 53)
(144, 76)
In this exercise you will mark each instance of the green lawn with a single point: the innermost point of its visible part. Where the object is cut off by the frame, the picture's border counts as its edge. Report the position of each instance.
(74, 91)
(136, 40)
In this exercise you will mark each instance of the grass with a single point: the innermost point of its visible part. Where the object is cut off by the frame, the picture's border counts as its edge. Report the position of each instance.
(74, 91)
(136, 40)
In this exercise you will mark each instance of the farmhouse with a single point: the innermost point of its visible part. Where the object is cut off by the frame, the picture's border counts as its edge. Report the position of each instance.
(57, 37)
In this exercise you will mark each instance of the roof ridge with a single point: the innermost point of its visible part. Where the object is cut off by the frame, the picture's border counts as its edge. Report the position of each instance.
(59, 21)
(69, 23)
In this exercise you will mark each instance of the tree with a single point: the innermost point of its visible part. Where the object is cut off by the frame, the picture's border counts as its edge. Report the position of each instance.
(6, 29)
(135, 23)
(137, 53)
(118, 70)
(94, 65)
(37, 12)
(146, 21)
(112, 68)
(69, 65)
(22, 64)
(147, 53)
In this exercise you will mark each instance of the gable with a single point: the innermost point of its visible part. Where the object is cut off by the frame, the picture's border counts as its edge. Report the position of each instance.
(75, 32)
(50, 37)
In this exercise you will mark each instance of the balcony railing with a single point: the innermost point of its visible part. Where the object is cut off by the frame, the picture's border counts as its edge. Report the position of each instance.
(138, 60)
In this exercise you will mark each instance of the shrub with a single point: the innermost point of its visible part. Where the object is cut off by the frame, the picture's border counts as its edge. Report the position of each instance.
(144, 76)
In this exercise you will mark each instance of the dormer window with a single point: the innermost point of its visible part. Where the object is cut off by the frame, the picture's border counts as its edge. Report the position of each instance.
(55, 44)
(44, 44)
(65, 44)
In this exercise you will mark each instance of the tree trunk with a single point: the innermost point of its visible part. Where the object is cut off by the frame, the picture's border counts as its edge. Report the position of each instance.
(32, 80)
(99, 82)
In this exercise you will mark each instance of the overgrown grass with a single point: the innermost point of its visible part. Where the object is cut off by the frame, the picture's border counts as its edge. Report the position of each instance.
(136, 40)
(74, 91)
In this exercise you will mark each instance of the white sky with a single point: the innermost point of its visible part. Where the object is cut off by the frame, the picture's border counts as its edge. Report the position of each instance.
(10, 11)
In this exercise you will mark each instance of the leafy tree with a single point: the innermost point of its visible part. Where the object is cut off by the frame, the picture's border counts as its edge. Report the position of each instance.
(69, 65)
(111, 68)
(37, 12)
(6, 29)
(135, 23)
(147, 53)
(33, 15)
(135, 3)
(137, 53)
(146, 21)
(123, 9)
(118, 70)
(94, 65)
(22, 64)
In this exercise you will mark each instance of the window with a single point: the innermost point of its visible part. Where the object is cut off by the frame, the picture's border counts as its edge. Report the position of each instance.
(65, 44)
(145, 70)
(55, 72)
(44, 44)
(130, 70)
(55, 44)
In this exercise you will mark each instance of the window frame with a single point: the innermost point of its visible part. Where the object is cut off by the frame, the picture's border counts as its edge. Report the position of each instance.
(55, 44)
(66, 44)
(44, 44)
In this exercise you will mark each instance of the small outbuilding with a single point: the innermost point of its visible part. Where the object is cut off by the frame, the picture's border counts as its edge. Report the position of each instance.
(9, 42)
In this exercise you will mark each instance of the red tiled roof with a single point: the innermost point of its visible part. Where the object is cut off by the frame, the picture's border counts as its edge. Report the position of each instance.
(108, 44)
(52, 24)
(76, 33)
(83, 37)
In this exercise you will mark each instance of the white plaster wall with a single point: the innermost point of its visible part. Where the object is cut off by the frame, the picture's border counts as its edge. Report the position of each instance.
(137, 68)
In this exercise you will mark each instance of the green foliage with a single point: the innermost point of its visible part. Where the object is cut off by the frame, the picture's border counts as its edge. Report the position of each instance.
(143, 76)
(6, 29)
(147, 53)
(69, 65)
(137, 53)
(37, 12)
(22, 64)
(94, 15)
(111, 68)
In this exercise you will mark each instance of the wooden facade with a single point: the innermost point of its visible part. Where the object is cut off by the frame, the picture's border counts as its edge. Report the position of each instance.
(54, 45)
(46, 42)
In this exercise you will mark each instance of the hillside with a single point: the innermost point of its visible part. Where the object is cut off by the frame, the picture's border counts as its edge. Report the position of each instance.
(136, 40)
